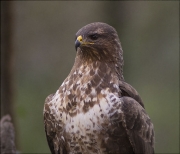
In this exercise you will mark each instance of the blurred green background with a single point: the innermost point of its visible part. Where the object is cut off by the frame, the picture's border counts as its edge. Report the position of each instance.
(44, 52)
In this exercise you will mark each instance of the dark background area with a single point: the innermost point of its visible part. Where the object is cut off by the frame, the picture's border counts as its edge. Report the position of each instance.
(40, 52)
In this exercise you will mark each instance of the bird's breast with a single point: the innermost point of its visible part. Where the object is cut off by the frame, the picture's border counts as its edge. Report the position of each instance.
(87, 86)
(85, 106)
(84, 130)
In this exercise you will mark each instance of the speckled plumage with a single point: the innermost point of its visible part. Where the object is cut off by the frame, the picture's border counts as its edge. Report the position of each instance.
(95, 111)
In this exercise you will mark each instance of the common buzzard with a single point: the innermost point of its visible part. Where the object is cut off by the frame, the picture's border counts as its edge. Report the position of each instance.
(95, 111)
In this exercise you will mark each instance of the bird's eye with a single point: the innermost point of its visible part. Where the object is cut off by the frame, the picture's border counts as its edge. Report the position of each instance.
(93, 36)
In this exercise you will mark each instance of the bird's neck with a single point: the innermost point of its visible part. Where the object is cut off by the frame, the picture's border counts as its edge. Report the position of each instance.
(112, 65)
(91, 79)
(97, 73)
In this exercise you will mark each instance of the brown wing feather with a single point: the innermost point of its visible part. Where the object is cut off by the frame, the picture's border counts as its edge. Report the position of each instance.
(50, 129)
(47, 121)
(138, 126)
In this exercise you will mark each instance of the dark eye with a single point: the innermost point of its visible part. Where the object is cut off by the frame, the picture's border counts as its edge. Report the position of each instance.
(94, 36)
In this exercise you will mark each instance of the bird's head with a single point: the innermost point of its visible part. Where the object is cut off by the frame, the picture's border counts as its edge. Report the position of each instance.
(98, 41)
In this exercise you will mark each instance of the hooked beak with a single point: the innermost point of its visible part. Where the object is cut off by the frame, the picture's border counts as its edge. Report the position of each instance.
(78, 42)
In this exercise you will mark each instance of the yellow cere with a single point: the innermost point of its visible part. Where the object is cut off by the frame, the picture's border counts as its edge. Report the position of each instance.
(79, 38)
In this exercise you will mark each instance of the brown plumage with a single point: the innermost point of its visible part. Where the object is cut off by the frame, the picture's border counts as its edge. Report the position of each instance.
(95, 111)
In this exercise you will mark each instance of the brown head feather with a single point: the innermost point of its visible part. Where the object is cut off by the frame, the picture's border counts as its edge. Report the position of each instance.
(101, 44)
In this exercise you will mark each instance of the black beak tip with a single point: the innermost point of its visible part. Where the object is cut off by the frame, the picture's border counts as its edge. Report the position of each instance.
(77, 44)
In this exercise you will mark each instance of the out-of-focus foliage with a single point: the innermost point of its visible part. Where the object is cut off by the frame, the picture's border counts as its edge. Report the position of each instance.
(44, 33)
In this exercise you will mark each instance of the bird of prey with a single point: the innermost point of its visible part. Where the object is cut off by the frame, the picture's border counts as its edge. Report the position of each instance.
(95, 111)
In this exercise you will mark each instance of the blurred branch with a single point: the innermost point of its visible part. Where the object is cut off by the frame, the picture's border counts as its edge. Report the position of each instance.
(7, 60)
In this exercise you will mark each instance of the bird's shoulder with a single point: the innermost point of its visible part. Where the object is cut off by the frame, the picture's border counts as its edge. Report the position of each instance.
(128, 90)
